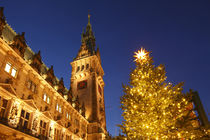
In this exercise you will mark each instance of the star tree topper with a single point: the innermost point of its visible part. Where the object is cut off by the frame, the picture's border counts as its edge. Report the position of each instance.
(141, 55)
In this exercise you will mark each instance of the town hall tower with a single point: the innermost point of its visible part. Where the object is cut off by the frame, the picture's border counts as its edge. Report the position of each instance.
(87, 83)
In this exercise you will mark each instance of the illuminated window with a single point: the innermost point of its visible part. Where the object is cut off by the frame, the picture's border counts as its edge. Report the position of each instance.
(10, 69)
(13, 73)
(68, 116)
(45, 97)
(58, 108)
(48, 99)
(7, 67)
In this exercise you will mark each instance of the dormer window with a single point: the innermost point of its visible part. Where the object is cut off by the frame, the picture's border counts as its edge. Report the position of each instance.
(10, 69)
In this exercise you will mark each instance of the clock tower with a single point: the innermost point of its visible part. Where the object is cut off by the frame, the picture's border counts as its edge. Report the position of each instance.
(87, 84)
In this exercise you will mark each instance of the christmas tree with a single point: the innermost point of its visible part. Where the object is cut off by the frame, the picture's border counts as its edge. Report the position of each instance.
(154, 108)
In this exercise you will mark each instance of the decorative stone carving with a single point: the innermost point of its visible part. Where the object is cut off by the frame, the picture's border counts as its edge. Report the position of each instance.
(50, 76)
(83, 52)
(35, 125)
(13, 115)
(2, 20)
(51, 133)
(37, 62)
(19, 44)
(61, 87)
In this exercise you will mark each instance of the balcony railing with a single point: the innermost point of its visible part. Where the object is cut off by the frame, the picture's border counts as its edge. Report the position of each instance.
(27, 131)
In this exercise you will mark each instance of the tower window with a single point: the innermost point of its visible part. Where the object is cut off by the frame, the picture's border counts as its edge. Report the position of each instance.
(99, 89)
(87, 66)
(78, 68)
(82, 67)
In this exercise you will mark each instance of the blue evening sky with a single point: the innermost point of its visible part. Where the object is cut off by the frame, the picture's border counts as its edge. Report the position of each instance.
(177, 32)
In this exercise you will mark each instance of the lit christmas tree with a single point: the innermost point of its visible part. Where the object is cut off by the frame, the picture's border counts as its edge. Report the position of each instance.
(154, 108)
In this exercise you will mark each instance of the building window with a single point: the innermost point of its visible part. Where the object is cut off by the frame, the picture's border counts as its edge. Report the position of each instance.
(58, 108)
(57, 134)
(68, 116)
(31, 86)
(3, 106)
(13, 73)
(76, 122)
(82, 84)
(42, 127)
(46, 98)
(68, 137)
(24, 117)
(10, 69)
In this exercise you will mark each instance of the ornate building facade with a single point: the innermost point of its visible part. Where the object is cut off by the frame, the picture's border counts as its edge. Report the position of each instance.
(35, 104)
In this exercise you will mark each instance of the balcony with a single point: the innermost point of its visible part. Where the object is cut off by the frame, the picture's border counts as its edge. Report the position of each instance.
(19, 132)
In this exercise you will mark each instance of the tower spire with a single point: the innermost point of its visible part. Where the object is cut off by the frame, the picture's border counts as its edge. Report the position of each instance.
(89, 18)
(87, 40)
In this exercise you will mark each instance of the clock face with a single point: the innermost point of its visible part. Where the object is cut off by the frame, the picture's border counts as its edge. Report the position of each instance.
(82, 84)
